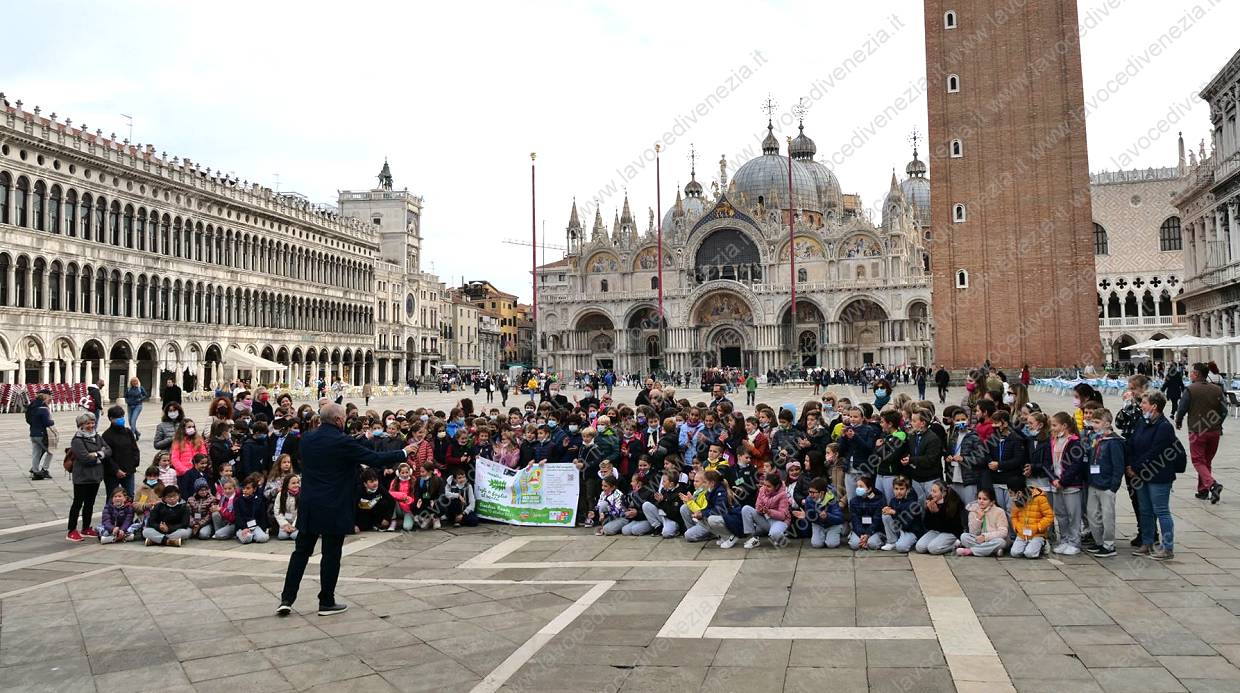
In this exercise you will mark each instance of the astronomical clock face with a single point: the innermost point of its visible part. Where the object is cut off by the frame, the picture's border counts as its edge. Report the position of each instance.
(409, 305)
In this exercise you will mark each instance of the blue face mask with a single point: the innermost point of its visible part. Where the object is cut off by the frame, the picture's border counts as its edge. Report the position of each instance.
(861, 492)
(261, 436)
(550, 423)
(880, 392)
(961, 425)
(119, 422)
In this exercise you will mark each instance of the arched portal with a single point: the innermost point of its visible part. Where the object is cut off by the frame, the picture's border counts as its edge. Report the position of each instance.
(863, 329)
(598, 334)
(1118, 351)
(804, 338)
(728, 254)
(643, 342)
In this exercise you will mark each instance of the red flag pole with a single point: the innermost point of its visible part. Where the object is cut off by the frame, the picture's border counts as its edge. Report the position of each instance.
(792, 255)
(534, 263)
(658, 205)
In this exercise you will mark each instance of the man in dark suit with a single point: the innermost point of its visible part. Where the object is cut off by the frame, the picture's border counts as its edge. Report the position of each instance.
(329, 468)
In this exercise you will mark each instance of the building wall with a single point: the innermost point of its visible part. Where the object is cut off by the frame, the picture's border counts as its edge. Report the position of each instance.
(1141, 271)
(1026, 241)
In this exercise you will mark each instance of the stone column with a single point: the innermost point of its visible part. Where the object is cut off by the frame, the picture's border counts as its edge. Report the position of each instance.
(1233, 227)
(71, 372)
(90, 376)
(43, 374)
(55, 372)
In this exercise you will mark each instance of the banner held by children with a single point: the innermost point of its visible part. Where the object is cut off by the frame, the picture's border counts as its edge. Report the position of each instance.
(541, 495)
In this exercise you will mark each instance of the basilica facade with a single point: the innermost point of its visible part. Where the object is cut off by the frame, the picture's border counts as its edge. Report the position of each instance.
(862, 289)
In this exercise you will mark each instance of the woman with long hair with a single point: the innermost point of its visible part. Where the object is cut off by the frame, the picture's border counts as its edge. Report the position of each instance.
(186, 443)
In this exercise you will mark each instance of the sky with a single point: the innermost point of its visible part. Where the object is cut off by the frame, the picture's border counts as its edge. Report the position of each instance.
(456, 96)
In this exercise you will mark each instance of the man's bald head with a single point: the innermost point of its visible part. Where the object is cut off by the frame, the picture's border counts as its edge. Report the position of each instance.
(332, 413)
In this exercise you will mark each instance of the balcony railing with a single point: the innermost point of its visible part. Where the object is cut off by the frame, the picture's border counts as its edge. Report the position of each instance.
(1143, 321)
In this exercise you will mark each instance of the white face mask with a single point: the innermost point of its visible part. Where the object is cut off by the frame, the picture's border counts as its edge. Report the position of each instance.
(174, 415)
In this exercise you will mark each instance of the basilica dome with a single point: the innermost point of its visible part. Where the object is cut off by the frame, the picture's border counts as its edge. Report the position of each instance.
(765, 179)
(916, 189)
(803, 150)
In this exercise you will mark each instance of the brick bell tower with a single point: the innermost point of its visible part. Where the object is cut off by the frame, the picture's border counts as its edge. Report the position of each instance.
(1012, 252)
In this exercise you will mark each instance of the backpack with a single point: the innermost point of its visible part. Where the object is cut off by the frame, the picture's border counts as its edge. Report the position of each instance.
(68, 462)
(1180, 456)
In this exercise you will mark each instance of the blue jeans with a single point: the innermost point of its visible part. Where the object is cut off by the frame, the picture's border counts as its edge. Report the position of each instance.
(135, 411)
(1155, 503)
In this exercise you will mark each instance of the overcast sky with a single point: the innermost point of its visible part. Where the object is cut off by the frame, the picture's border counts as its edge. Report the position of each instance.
(457, 95)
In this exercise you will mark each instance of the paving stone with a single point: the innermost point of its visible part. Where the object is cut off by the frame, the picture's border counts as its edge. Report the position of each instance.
(816, 680)
(909, 679)
(316, 672)
(1110, 656)
(753, 653)
(1202, 667)
(742, 678)
(644, 679)
(1137, 680)
(1049, 667)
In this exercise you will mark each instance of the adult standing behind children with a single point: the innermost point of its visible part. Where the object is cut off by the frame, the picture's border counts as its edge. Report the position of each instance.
(329, 470)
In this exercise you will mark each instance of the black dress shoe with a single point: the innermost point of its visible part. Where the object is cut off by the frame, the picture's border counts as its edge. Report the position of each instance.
(1202, 495)
(284, 609)
(336, 608)
(1215, 492)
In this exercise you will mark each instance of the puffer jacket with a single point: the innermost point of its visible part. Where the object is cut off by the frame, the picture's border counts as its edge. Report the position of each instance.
(1035, 515)
(114, 517)
(992, 524)
(289, 516)
(828, 513)
(870, 508)
(773, 504)
(401, 491)
(973, 455)
(87, 465)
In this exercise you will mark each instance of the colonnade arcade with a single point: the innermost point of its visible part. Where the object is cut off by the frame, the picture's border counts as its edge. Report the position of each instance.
(728, 328)
(193, 365)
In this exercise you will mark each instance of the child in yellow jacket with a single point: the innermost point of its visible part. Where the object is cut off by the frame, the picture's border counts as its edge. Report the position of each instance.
(1032, 516)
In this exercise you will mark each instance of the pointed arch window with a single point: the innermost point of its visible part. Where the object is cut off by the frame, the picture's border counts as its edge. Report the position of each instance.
(950, 21)
(962, 279)
(953, 84)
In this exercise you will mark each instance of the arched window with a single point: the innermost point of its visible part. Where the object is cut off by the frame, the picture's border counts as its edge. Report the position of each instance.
(957, 149)
(86, 218)
(603, 286)
(1169, 235)
(802, 275)
(114, 223)
(959, 215)
(654, 282)
(6, 183)
(962, 279)
(949, 19)
(128, 224)
(71, 214)
(1100, 240)
(953, 84)
(40, 206)
(20, 201)
(53, 210)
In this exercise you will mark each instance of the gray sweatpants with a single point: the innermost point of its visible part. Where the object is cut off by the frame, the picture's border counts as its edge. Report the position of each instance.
(979, 547)
(39, 457)
(904, 541)
(695, 530)
(874, 541)
(1066, 503)
(158, 537)
(718, 527)
(1029, 548)
(936, 542)
(757, 525)
(1101, 510)
(830, 537)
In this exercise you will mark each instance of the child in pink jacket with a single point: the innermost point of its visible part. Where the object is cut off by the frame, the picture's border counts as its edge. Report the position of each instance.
(403, 492)
(769, 515)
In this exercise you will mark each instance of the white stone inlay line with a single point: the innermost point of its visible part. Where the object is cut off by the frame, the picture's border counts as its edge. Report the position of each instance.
(970, 654)
(488, 558)
(820, 633)
(500, 674)
(695, 612)
(26, 528)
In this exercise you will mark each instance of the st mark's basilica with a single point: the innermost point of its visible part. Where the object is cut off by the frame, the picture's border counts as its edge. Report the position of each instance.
(863, 290)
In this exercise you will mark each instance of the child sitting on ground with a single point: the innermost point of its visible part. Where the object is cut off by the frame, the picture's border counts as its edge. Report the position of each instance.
(610, 509)
(251, 512)
(224, 518)
(1032, 518)
(460, 501)
(285, 508)
(428, 492)
(902, 516)
(823, 514)
(639, 496)
(201, 507)
(117, 522)
(168, 523)
(866, 510)
(401, 490)
(226, 472)
(275, 477)
(202, 463)
(374, 507)
(769, 515)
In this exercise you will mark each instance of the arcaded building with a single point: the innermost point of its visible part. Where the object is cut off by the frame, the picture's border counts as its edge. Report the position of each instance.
(1012, 254)
(863, 292)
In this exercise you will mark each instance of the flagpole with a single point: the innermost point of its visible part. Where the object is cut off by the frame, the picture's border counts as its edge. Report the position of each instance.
(534, 263)
(658, 205)
(792, 257)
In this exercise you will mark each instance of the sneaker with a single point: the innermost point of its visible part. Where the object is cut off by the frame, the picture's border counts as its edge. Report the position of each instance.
(783, 541)
(887, 547)
(1060, 548)
(1216, 491)
(589, 522)
(752, 542)
(74, 536)
(727, 543)
(90, 532)
(284, 609)
(1202, 495)
(1070, 550)
(999, 553)
(1143, 550)
(962, 551)
(332, 609)
(129, 537)
(1161, 554)
(149, 542)
(174, 542)
(1103, 551)
(435, 523)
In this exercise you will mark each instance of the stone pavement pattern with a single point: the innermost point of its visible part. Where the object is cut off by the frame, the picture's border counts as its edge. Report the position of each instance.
(507, 608)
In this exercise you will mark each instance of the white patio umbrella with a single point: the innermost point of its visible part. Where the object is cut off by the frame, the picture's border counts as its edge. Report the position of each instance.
(1148, 344)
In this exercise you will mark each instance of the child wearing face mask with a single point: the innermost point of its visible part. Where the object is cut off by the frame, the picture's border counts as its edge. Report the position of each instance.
(165, 471)
(201, 506)
(988, 527)
(1106, 468)
(149, 492)
(902, 517)
(374, 506)
(1069, 472)
(1032, 518)
(251, 512)
(965, 457)
(167, 427)
(769, 515)
(866, 510)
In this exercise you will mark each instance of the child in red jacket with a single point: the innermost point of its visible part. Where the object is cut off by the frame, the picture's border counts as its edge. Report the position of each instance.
(401, 490)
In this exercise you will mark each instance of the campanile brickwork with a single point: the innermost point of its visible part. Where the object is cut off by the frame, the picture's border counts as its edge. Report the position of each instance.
(1013, 268)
